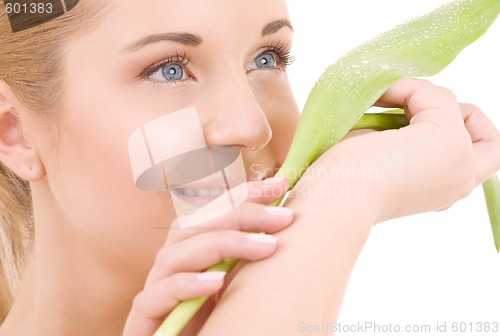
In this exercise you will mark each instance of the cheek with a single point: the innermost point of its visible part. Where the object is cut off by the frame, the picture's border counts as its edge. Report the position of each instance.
(92, 182)
(274, 95)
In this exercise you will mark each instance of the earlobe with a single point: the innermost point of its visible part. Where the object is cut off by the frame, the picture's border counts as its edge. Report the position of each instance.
(16, 152)
(31, 173)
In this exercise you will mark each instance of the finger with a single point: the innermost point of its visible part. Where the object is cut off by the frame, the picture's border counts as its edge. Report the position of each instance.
(486, 141)
(268, 190)
(247, 217)
(243, 217)
(423, 102)
(479, 126)
(202, 251)
(250, 217)
(488, 161)
(151, 306)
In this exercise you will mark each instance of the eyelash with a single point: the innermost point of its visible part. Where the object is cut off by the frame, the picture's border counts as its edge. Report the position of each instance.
(284, 59)
(183, 60)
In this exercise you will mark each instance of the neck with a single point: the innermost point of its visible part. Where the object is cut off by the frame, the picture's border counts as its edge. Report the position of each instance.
(69, 288)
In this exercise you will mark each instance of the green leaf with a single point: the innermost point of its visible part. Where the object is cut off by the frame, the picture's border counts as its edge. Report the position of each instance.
(420, 47)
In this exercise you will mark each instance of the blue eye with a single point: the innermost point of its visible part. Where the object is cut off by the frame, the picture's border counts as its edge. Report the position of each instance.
(265, 61)
(170, 72)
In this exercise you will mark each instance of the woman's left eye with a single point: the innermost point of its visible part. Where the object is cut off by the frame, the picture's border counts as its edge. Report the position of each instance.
(170, 72)
(266, 60)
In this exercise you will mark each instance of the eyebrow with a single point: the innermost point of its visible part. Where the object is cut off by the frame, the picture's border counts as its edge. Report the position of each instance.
(183, 38)
(275, 26)
(195, 40)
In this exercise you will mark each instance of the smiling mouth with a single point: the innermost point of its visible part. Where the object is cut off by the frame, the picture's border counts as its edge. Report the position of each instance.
(191, 192)
(197, 197)
(200, 194)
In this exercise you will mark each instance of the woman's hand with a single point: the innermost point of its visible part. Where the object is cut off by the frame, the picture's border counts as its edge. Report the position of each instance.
(176, 275)
(447, 150)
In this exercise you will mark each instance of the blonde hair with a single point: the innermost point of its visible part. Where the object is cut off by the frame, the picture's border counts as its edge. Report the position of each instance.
(30, 64)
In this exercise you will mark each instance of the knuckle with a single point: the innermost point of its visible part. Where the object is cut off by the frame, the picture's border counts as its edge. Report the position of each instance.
(165, 259)
(240, 212)
(469, 110)
(473, 164)
(247, 218)
(449, 95)
(229, 236)
(220, 245)
(472, 107)
(424, 82)
(422, 86)
(466, 181)
(468, 187)
(232, 244)
(176, 281)
(469, 161)
(230, 218)
(139, 303)
(433, 134)
(217, 243)
(469, 166)
(461, 144)
(496, 139)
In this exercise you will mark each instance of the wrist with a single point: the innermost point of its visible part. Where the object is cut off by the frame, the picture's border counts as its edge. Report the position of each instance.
(336, 186)
(382, 178)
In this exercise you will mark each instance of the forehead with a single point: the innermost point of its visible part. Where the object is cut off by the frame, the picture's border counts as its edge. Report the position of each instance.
(132, 19)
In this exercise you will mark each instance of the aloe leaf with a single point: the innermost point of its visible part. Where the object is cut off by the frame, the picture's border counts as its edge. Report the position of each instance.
(421, 47)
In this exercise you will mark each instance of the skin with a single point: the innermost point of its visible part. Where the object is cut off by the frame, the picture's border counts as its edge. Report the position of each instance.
(107, 259)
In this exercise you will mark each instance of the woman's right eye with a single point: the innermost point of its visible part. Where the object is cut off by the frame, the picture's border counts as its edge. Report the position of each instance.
(170, 72)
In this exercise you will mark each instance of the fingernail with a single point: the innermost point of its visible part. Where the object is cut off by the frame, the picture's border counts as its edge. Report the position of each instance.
(211, 276)
(279, 211)
(274, 179)
(262, 238)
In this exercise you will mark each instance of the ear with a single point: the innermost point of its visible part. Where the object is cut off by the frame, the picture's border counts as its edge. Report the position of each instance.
(16, 152)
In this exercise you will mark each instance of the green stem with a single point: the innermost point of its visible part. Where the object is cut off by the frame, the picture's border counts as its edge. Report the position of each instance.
(491, 190)
(185, 310)
(382, 121)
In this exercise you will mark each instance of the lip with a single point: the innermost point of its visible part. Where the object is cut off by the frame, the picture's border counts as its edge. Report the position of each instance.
(199, 200)
(215, 183)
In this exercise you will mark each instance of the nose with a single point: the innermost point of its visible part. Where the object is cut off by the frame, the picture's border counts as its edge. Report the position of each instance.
(231, 115)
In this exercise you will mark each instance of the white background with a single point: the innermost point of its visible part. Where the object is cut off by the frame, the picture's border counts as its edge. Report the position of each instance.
(434, 267)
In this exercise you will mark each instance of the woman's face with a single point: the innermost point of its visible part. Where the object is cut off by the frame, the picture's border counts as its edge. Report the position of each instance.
(147, 59)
